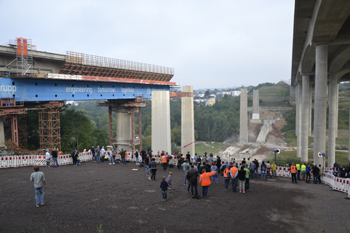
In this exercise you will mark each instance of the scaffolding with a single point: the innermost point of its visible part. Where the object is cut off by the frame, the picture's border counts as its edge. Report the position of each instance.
(49, 128)
(22, 132)
(22, 65)
(91, 65)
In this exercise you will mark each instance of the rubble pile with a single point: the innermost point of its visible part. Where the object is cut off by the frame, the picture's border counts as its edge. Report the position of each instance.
(11, 148)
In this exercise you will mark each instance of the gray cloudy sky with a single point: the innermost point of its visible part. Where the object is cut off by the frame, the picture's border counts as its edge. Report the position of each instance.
(210, 44)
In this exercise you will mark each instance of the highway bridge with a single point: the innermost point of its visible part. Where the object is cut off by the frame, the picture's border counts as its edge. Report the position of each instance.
(320, 61)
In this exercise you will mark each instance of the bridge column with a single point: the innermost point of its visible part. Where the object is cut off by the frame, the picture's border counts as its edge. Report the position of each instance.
(255, 115)
(320, 112)
(305, 118)
(332, 120)
(2, 132)
(187, 123)
(161, 131)
(243, 123)
(299, 118)
(123, 139)
(310, 112)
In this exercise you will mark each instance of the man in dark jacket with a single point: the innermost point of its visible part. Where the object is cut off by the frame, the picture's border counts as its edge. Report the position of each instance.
(93, 153)
(54, 157)
(192, 176)
(207, 168)
(218, 164)
(188, 157)
(74, 156)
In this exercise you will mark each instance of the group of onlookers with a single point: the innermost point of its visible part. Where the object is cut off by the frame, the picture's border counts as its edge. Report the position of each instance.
(342, 171)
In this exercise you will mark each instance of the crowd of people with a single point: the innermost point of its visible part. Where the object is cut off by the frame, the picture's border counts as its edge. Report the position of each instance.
(342, 171)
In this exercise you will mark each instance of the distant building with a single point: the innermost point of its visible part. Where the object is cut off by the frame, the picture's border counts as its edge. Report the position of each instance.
(210, 102)
(235, 93)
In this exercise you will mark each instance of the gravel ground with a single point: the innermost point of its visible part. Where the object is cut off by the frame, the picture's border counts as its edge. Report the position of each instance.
(79, 199)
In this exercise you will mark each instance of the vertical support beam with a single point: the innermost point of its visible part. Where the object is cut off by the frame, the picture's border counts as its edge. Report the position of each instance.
(310, 112)
(243, 132)
(332, 120)
(299, 104)
(110, 125)
(320, 112)
(187, 123)
(255, 115)
(14, 129)
(49, 128)
(305, 118)
(132, 130)
(140, 130)
(337, 112)
(2, 132)
(123, 129)
(161, 131)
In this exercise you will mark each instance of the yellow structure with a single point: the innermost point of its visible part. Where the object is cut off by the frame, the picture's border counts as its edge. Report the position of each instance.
(210, 102)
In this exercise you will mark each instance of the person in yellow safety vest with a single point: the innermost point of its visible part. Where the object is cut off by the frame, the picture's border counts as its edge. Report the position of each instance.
(293, 171)
(303, 170)
(205, 181)
(298, 170)
(274, 167)
(164, 161)
(227, 177)
(234, 173)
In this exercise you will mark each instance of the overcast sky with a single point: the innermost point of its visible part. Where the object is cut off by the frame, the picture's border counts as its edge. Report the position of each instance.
(210, 44)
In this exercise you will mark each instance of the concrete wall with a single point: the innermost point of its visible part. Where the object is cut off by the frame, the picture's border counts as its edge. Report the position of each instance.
(187, 123)
(161, 131)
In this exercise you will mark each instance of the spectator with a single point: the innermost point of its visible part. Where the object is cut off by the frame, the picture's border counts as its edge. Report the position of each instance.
(263, 170)
(205, 181)
(48, 158)
(93, 153)
(192, 177)
(147, 165)
(218, 163)
(39, 184)
(170, 181)
(242, 177)
(136, 156)
(153, 169)
(252, 169)
(214, 168)
(186, 167)
(164, 187)
(247, 175)
(315, 172)
(54, 157)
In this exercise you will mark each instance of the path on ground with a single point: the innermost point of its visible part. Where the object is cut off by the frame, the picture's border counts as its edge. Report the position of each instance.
(79, 199)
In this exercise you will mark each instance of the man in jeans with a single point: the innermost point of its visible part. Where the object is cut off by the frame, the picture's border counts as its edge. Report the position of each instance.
(54, 157)
(186, 167)
(39, 184)
(252, 167)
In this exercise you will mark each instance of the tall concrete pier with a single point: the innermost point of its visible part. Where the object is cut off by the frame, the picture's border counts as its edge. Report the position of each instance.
(243, 129)
(123, 129)
(187, 123)
(320, 114)
(298, 120)
(161, 135)
(305, 118)
(255, 115)
(333, 115)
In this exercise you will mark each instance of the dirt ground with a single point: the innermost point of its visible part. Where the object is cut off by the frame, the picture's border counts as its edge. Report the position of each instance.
(79, 199)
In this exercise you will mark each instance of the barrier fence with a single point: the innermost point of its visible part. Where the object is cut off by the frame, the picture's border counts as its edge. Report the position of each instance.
(336, 183)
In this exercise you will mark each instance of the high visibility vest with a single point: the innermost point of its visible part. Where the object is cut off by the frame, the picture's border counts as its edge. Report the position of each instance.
(298, 166)
(163, 159)
(234, 171)
(293, 169)
(303, 168)
(205, 179)
(227, 173)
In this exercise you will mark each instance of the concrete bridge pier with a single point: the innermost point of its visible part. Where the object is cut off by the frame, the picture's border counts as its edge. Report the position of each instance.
(299, 118)
(123, 129)
(305, 118)
(332, 120)
(187, 123)
(320, 112)
(2, 132)
(243, 129)
(161, 131)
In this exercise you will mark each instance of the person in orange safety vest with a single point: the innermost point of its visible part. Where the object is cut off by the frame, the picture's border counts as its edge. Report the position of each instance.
(293, 171)
(164, 162)
(234, 176)
(227, 177)
(205, 181)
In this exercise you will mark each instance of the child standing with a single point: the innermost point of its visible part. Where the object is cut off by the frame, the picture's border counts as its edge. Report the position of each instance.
(164, 187)
(78, 160)
(170, 181)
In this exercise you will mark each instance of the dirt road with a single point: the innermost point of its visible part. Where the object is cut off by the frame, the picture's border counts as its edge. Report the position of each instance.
(79, 199)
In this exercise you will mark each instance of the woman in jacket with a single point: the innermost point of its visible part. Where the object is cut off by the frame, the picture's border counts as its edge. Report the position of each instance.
(241, 179)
